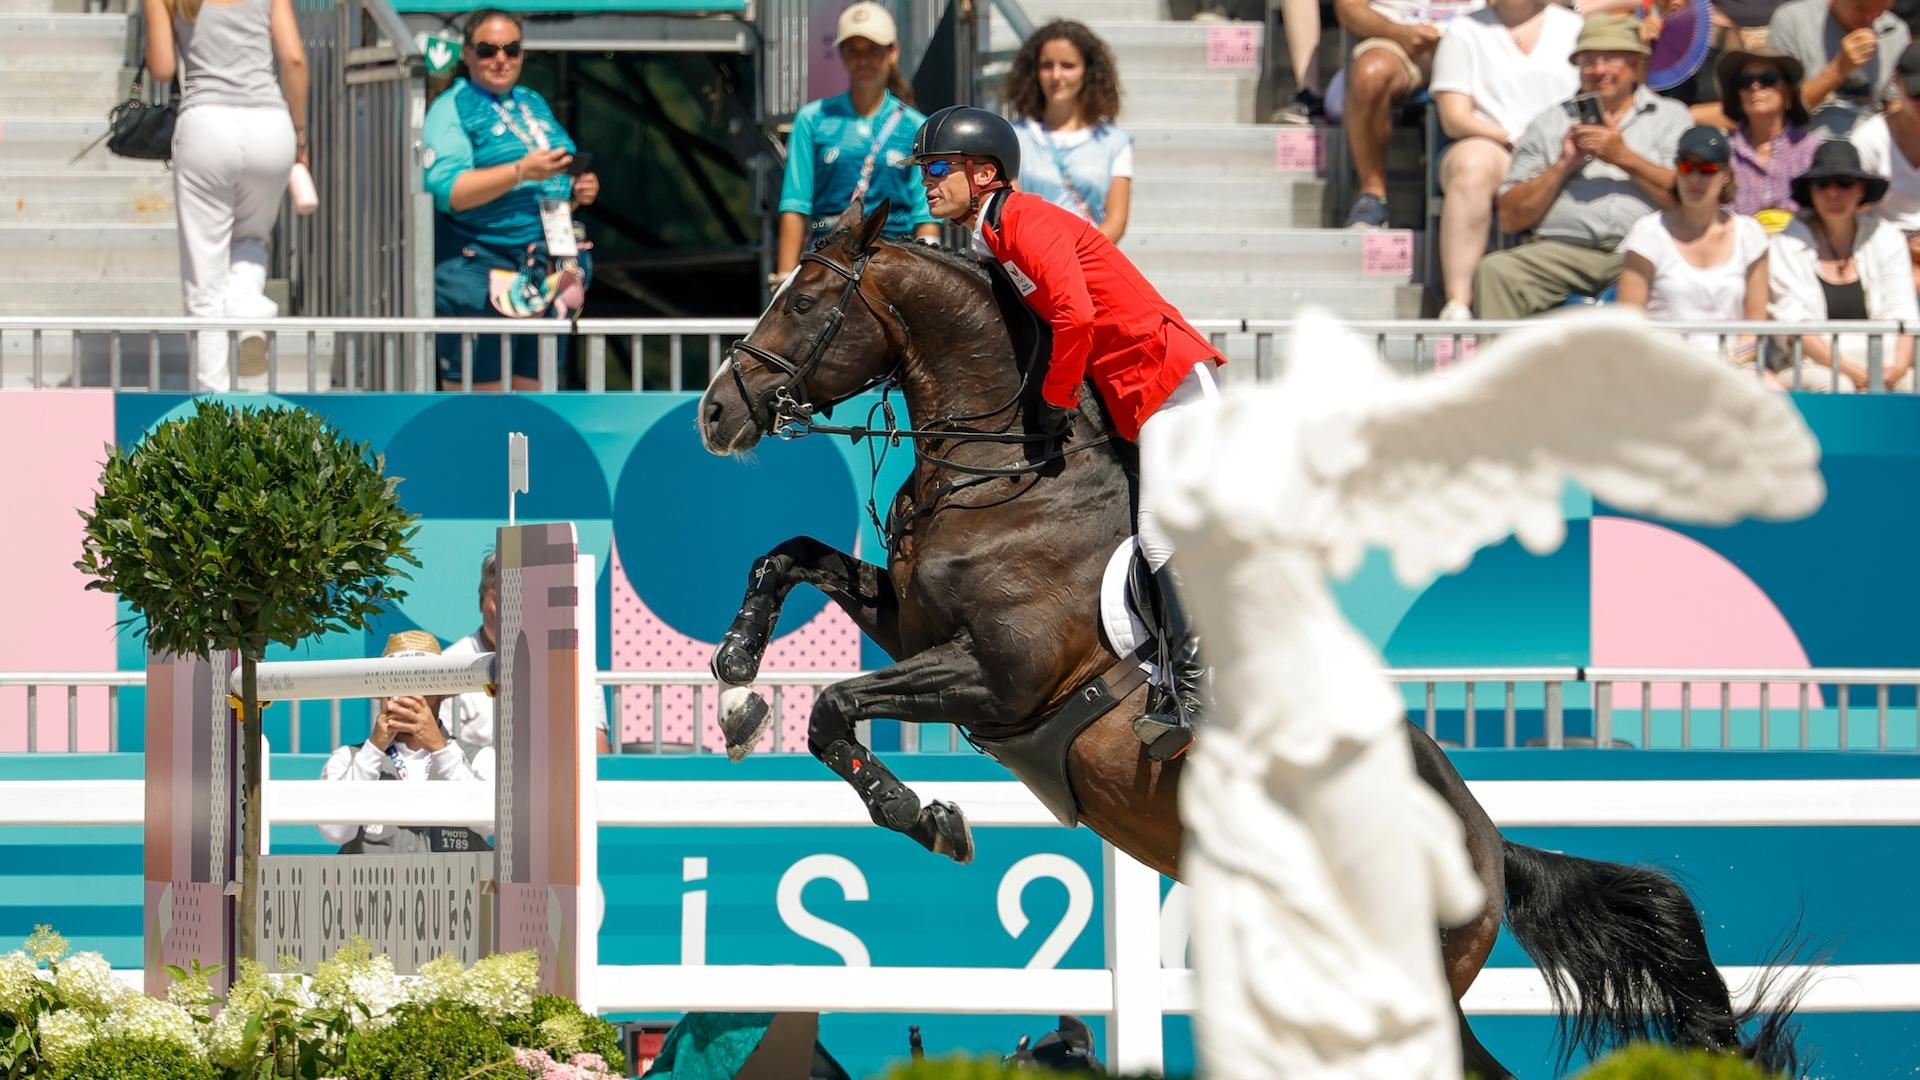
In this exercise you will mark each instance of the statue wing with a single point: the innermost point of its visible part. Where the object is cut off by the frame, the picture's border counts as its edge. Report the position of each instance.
(1434, 468)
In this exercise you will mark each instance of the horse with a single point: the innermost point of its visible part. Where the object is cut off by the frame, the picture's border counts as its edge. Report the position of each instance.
(997, 544)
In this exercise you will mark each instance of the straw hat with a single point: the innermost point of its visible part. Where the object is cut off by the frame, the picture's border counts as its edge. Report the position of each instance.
(412, 643)
(1609, 33)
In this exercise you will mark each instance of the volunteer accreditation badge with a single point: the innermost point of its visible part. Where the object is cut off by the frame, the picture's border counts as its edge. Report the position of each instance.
(557, 221)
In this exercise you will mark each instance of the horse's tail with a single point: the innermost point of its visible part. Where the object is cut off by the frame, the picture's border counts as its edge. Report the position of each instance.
(1624, 956)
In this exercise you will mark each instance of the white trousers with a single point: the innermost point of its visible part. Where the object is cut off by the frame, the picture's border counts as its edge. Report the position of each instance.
(1199, 385)
(230, 168)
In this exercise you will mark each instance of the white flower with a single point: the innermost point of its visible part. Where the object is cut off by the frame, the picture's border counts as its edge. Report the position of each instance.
(62, 1032)
(18, 973)
(226, 1037)
(141, 1017)
(439, 979)
(378, 992)
(85, 981)
(502, 985)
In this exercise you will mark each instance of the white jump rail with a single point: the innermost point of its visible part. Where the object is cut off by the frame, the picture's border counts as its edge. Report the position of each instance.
(1134, 991)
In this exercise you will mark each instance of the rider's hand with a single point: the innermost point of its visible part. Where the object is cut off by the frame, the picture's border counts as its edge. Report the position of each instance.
(1054, 420)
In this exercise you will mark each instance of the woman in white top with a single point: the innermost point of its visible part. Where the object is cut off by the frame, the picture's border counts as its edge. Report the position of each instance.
(1698, 262)
(1494, 71)
(239, 131)
(1065, 92)
(1836, 261)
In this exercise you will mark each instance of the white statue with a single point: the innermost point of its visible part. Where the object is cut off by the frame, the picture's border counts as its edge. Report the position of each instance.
(1320, 864)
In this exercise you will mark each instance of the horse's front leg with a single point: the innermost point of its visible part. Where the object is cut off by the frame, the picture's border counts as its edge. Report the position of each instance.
(861, 589)
(944, 684)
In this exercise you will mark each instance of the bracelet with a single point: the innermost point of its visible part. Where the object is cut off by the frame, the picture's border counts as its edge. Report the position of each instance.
(516, 174)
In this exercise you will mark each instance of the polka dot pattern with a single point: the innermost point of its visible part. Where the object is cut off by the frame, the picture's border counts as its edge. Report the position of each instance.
(642, 641)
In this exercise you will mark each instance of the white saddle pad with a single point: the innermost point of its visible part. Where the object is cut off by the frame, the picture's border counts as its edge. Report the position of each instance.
(1123, 628)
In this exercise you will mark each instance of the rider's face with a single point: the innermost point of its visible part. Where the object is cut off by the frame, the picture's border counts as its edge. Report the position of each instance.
(949, 198)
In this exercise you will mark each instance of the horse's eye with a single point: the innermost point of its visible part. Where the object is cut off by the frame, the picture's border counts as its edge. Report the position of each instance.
(801, 303)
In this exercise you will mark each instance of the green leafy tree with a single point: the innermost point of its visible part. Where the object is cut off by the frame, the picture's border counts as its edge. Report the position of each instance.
(236, 528)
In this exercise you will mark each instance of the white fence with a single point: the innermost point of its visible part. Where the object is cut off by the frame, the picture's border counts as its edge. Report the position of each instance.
(1811, 705)
(601, 355)
(1143, 979)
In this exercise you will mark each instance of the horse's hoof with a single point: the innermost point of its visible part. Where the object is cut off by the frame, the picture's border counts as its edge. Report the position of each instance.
(1165, 740)
(943, 830)
(744, 717)
(735, 660)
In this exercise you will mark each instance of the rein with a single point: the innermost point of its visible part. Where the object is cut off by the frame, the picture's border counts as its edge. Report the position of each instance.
(792, 418)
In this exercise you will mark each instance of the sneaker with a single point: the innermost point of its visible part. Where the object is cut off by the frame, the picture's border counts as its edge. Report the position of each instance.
(1455, 311)
(1369, 212)
(1306, 108)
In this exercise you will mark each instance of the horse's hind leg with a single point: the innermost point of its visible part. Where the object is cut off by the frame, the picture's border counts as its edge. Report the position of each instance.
(861, 589)
(944, 684)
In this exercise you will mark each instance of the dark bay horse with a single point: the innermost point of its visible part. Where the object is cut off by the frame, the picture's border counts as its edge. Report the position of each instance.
(987, 605)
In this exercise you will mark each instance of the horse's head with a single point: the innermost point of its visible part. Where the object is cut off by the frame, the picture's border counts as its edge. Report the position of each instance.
(823, 339)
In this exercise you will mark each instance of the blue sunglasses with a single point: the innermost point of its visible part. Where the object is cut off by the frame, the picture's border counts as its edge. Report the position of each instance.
(939, 168)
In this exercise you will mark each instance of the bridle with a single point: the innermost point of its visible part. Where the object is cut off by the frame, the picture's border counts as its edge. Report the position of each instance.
(784, 411)
(789, 417)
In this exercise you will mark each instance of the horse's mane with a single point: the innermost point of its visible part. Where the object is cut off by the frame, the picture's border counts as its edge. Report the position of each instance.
(954, 260)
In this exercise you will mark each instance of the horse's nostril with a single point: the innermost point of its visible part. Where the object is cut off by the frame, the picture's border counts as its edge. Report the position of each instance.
(713, 412)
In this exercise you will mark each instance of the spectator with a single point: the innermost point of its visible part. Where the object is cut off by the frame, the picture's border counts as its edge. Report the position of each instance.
(239, 131)
(1760, 94)
(1300, 19)
(1697, 262)
(1836, 261)
(470, 716)
(1848, 49)
(1392, 61)
(1066, 91)
(1580, 186)
(500, 169)
(1890, 146)
(407, 743)
(1491, 72)
(854, 146)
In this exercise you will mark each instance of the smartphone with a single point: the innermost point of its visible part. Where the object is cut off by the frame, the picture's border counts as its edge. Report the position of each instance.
(583, 162)
(1586, 109)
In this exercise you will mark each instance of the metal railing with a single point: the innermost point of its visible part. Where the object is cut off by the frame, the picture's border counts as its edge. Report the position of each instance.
(367, 251)
(1466, 707)
(319, 354)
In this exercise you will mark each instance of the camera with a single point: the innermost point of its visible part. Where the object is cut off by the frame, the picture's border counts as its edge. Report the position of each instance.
(1586, 109)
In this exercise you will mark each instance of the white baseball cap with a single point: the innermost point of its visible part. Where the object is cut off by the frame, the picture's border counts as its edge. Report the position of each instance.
(869, 20)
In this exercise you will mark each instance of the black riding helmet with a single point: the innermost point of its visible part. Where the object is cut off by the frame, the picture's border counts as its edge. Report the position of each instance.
(965, 131)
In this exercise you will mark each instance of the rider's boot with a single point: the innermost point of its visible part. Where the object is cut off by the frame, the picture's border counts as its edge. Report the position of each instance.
(1168, 730)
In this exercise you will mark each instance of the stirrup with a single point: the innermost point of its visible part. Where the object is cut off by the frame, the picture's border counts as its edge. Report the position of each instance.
(1166, 736)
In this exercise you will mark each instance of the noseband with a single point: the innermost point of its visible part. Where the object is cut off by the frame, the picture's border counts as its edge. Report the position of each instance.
(782, 408)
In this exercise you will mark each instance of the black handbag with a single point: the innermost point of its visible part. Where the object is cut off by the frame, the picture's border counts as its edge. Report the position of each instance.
(137, 128)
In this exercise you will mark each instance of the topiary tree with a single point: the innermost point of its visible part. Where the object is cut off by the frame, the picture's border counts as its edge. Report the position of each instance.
(236, 528)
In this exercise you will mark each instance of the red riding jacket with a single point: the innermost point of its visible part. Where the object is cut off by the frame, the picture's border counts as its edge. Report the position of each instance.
(1108, 322)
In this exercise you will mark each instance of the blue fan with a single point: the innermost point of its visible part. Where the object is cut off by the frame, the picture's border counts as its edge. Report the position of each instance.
(1681, 47)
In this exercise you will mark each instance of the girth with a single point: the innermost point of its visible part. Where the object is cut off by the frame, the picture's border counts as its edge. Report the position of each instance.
(1038, 756)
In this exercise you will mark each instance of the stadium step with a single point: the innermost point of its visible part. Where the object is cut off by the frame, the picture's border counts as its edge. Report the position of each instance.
(42, 143)
(76, 296)
(121, 204)
(1162, 48)
(43, 7)
(1176, 151)
(103, 252)
(1199, 96)
(73, 36)
(25, 92)
(1278, 201)
(1279, 254)
(1346, 299)
(1092, 11)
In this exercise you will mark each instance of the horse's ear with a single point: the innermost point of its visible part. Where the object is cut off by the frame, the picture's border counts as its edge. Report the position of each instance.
(849, 218)
(869, 229)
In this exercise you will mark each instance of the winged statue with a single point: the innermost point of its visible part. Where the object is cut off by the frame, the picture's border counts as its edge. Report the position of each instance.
(1319, 862)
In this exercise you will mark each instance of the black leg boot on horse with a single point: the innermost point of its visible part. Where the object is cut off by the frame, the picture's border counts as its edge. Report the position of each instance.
(1168, 730)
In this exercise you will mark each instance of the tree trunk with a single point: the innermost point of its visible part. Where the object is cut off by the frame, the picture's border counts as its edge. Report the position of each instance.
(251, 766)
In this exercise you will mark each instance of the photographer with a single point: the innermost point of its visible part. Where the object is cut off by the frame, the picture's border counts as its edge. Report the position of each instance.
(505, 179)
(407, 744)
(1581, 176)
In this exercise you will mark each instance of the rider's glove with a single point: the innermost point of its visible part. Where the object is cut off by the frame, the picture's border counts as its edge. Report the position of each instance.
(1054, 420)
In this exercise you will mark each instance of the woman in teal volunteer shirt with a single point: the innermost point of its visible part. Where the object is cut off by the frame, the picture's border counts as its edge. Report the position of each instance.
(854, 143)
(497, 168)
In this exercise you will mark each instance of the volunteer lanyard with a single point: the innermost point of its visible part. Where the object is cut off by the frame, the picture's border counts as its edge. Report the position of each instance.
(533, 136)
(1060, 163)
(873, 155)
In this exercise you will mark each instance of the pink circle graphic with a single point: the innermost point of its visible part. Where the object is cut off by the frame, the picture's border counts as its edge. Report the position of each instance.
(642, 641)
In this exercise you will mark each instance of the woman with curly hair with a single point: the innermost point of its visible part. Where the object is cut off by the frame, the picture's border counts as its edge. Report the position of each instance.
(1065, 92)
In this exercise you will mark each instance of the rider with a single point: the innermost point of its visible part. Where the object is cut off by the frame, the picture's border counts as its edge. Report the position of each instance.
(1108, 324)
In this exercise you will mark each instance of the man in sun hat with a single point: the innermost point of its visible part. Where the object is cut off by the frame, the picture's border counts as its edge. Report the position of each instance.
(407, 744)
(1890, 146)
(1578, 186)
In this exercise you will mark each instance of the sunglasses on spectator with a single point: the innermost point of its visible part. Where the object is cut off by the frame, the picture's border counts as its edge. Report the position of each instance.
(487, 50)
(1704, 168)
(1834, 182)
(1749, 80)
